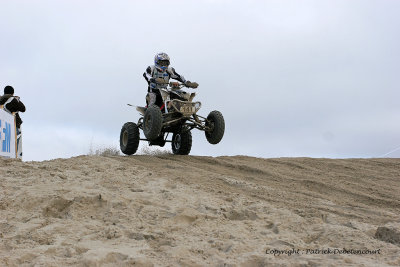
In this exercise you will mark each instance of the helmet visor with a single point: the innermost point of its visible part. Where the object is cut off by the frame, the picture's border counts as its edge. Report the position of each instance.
(163, 63)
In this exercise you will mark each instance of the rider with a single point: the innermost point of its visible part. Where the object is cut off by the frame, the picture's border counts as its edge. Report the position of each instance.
(157, 77)
(12, 103)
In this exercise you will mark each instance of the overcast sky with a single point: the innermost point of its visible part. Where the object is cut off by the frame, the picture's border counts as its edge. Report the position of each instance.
(292, 78)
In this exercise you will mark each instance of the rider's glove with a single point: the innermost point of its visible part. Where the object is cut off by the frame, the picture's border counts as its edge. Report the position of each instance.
(191, 85)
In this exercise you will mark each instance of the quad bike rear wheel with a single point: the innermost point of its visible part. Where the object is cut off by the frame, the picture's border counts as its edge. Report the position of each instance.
(181, 143)
(215, 121)
(129, 138)
(152, 122)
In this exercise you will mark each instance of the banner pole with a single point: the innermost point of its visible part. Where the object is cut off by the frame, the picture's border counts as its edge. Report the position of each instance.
(15, 130)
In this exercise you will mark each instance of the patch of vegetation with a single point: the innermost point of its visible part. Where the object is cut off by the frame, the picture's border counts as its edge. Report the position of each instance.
(146, 150)
(105, 152)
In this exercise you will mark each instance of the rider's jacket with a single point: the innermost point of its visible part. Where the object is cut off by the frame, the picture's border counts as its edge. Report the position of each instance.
(153, 72)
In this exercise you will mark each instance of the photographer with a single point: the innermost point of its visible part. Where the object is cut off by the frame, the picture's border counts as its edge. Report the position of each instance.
(12, 104)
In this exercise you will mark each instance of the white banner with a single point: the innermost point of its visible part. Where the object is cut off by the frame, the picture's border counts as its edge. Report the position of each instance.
(7, 135)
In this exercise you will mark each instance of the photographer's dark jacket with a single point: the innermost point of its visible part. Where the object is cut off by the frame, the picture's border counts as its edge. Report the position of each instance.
(13, 104)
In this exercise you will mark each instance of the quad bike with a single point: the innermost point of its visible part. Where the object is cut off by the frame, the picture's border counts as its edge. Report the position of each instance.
(177, 114)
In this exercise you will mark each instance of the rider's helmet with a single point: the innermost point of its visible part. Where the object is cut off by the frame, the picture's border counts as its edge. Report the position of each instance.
(161, 61)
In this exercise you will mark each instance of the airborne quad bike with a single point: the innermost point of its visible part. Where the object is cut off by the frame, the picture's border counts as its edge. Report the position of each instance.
(177, 114)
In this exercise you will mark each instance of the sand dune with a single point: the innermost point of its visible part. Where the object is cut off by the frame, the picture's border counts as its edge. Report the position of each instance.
(195, 211)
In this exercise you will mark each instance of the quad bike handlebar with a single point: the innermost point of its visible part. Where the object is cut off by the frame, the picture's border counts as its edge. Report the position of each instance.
(177, 85)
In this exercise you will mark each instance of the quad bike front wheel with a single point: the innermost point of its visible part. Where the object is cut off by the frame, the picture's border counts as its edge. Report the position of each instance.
(152, 122)
(216, 123)
(129, 138)
(181, 143)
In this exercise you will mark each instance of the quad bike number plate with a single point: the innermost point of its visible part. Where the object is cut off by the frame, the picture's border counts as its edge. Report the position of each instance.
(187, 109)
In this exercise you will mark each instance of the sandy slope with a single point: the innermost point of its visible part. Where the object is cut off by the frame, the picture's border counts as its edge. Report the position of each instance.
(188, 211)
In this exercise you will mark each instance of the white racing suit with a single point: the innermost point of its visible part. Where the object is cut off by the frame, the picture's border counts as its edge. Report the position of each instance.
(154, 95)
